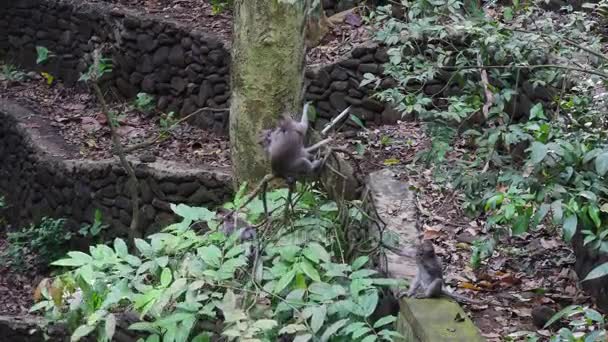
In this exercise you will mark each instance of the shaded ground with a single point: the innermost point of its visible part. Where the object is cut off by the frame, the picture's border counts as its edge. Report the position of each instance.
(16, 287)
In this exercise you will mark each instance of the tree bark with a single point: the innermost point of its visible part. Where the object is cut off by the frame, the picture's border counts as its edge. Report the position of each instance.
(267, 77)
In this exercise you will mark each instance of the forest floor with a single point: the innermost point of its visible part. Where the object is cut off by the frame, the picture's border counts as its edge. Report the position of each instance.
(529, 270)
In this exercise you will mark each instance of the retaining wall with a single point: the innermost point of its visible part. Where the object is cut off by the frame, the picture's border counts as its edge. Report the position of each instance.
(184, 69)
(37, 180)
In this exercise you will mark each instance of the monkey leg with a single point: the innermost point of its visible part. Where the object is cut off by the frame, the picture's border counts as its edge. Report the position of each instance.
(264, 189)
(291, 185)
(433, 290)
(413, 288)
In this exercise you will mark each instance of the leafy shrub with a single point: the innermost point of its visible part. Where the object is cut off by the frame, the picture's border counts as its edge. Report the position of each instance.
(519, 167)
(46, 241)
(181, 279)
(11, 73)
(144, 102)
(217, 6)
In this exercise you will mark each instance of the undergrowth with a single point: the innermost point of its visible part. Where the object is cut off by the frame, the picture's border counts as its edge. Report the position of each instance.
(192, 282)
(520, 127)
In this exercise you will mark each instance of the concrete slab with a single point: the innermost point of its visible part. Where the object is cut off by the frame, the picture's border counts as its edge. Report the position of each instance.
(424, 320)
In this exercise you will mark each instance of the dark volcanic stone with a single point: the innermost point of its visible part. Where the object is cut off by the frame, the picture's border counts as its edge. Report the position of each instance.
(339, 75)
(338, 101)
(178, 84)
(146, 43)
(160, 56)
(176, 56)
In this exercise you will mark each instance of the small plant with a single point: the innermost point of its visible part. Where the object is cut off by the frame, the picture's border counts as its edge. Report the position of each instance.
(46, 240)
(94, 229)
(167, 120)
(43, 54)
(144, 102)
(583, 325)
(11, 73)
(218, 6)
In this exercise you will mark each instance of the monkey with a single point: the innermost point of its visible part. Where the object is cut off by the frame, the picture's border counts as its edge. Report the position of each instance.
(231, 223)
(428, 282)
(541, 315)
(289, 158)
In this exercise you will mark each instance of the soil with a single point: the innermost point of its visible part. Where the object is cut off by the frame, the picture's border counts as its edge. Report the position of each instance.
(529, 270)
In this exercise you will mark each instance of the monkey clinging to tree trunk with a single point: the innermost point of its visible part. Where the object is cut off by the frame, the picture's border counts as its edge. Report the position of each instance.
(284, 146)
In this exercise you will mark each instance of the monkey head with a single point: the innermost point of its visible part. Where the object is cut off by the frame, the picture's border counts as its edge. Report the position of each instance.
(425, 250)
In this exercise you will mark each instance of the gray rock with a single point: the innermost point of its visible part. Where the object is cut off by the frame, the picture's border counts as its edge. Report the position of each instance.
(66, 38)
(145, 64)
(187, 189)
(339, 74)
(217, 58)
(176, 56)
(368, 59)
(131, 22)
(381, 56)
(369, 67)
(353, 101)
(148, 84)
(204, 93)
(337, 100)
(350, 63)
(189, 107)
(339, 85)
(146, 43)
(373, 105)
(125, 88)
(178, 84)
(161, 56)
(355, 93)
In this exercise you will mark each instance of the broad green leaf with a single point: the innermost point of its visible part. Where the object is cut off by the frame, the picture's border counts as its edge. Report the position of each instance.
(211, 255)
(520, 225)
(588, 195)
(362, 273)
(569, 226)
(358, 121)
(68, 262)
(110, 326)
(368, 302)
(361, 332)
(558, 213)
(144, 326)
(81, 332)
(80, 256)
(537, 112)
(193, 213)
(333, 329)
(540, 214)
(597, 272)
(318, 317)
(302, 338)
(309, 270)
(143, 247)
(564, 312)
(284, 281)
(360, 262)
(507, 13)
(601, 164)
(594, 213)
(384, 321)
(265, 324)
(316, 251)
(539, 152)
(370, 338)
(165, 277)
(120, 247)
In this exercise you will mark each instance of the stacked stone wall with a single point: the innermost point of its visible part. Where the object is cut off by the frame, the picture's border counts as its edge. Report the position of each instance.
(38, 182)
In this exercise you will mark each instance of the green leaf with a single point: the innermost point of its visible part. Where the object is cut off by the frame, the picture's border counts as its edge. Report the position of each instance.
(284, 281)
(368, 302)
(539, 152)
(507, 13)
(165, 277)
(110, 326)
(601, 164)
(358, 121)
(121, 248)
(594, 214)
(81, 332)
(315, 251)
(365, 273)
(360, 262)
(384, 321)
(569, 227)
(597, 272)
(309, 270)
(540, 214)
(558, 213)
(211, 255)
(564, 312)
(265, 324)
(520, 225)
(370, 338)
(361, 332)
(391, 161)
(68, 262)
(43, 54)
(537, 112)
(588, 195)
(302, 338)
(318, 317)
(143, 247)
(333, 329)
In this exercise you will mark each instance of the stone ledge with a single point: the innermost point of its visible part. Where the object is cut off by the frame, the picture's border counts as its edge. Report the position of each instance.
(424, 320)
(39, 177)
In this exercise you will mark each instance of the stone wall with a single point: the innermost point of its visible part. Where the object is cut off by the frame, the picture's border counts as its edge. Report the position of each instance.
(37, 181)
(184, 69)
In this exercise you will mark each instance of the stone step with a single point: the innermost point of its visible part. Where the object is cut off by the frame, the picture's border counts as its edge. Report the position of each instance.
(424, 320)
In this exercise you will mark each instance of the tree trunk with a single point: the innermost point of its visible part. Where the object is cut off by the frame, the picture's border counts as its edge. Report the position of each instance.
(267, 77)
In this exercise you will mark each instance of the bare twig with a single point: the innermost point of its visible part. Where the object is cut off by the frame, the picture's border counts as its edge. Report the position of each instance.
(335, 121)
(489, 96)
(134, 186)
